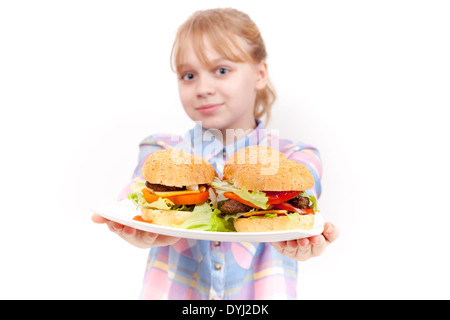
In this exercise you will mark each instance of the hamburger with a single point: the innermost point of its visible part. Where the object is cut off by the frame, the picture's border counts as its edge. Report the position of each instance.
(176, 185)
(265, 191)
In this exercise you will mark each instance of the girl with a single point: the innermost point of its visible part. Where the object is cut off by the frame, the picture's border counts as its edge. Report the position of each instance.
(219, 57)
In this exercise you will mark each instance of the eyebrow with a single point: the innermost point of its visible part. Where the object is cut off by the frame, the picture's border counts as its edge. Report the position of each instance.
(183, 67)
(187, 66)
(216, 61)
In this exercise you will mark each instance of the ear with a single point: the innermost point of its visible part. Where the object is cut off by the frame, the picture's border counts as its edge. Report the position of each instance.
(262, 75)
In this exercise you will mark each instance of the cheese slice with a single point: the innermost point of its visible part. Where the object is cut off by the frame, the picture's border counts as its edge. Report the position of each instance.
(255, 213)
(177, 193)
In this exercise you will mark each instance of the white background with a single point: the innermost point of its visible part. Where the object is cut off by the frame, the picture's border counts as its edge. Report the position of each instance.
(367, 82)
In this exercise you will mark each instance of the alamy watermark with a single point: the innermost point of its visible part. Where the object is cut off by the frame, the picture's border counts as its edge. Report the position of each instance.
(203, 142)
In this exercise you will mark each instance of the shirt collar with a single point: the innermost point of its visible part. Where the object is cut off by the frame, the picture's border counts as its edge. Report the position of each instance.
(202, 142)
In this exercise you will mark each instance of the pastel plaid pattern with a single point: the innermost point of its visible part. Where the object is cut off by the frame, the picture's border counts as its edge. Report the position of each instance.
(198, 269)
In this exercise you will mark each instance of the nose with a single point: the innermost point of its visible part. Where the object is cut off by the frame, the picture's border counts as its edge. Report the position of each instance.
(205, 87)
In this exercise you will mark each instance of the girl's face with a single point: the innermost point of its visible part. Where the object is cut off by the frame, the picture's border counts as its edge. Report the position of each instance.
(221, 96)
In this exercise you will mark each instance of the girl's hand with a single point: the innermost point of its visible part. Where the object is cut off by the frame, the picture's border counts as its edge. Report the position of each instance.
(303, 249)
(137, 238)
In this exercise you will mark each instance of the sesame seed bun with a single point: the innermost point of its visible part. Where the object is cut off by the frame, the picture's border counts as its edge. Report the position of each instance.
(264, 168)
(172, 167)
(280, 223)
(164, 218)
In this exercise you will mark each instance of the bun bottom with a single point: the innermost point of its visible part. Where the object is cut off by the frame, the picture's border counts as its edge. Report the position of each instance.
(164, 218)
(280, 223)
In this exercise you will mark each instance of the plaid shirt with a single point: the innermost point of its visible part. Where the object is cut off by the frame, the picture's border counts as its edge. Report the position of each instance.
(198, 269)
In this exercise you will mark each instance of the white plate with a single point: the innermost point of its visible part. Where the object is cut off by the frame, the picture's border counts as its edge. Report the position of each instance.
(124, 211)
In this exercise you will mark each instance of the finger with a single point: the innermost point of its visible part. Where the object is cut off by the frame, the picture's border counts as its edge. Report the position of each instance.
(303, 242)
(277, 245)
(282, 244)
(148, 237)
(155, 240)
(319, 247)
(138, 238)
(292, 244)
(115, 227)
(163, 240)
(143, 239)
(128, 232)
(315, 239)
(331, 233)
(98, 219)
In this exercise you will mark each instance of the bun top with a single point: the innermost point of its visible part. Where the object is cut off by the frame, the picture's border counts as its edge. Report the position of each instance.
(172, 167)
(264, 168)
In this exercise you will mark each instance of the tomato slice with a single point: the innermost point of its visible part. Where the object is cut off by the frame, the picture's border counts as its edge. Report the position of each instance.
(232, 196)
(149, 196)
(276, 197)
(187, 199)
(139, 218)
(193, 198)
(290, 207)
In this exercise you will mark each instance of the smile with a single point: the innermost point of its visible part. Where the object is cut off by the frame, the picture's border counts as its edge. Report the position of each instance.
(209, 108)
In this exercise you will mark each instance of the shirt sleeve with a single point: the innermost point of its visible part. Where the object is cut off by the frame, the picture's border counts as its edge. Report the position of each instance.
(152, 144)
(148, 146)
(308, 156)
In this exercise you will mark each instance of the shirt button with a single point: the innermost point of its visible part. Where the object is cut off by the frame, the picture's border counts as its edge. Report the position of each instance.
(217, 266)
(224, 153)
(216, 243)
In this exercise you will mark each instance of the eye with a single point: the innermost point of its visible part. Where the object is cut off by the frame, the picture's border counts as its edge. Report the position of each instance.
(187, 76)
(222, 71)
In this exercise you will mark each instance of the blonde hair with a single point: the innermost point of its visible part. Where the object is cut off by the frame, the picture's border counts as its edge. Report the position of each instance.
(225, 29)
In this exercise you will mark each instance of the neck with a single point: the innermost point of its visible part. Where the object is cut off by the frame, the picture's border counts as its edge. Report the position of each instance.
(234, 133)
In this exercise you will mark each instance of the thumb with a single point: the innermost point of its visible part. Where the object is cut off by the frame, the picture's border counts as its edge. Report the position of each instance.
(330, 232)
(98, 219)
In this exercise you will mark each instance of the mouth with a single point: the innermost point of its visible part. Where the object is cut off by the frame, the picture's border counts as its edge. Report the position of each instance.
(209, 108)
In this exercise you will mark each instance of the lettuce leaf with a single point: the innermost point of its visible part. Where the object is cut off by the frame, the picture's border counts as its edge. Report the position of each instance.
(312, 199)
(267, 215)
(258, 198)
(205, 218)
(138, 185)
(292, 216)
(233, 216)
(161, 204)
